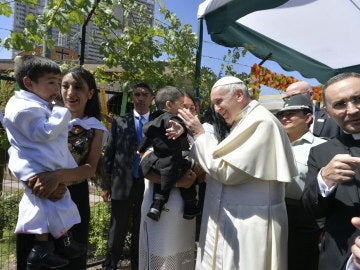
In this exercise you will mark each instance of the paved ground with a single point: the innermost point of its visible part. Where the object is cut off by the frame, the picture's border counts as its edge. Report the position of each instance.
(123, 265)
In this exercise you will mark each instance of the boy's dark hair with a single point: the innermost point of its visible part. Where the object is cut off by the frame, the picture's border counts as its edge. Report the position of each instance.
(167, 93)
(92, 107)
(34, 67)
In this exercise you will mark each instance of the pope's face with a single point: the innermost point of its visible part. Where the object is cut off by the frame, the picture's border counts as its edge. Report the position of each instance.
(227, 103)
(343, 104)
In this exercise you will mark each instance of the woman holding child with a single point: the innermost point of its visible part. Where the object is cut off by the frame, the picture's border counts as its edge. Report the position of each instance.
(80, 97)
(168, 243)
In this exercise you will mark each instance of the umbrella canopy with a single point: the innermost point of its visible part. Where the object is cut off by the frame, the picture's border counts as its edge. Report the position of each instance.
(318, 38)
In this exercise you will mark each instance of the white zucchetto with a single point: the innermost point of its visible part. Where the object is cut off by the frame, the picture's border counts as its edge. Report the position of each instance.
(227, 80)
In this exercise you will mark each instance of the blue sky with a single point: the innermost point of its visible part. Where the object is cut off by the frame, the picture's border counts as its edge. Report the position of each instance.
(5, 26)
(212, 53)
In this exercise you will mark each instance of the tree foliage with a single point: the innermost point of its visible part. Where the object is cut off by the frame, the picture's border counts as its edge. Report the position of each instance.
(161, 53)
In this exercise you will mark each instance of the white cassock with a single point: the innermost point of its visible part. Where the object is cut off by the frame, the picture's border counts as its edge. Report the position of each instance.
(244, 223)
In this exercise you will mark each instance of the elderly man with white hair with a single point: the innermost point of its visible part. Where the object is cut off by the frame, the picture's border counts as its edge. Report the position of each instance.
(244, 222)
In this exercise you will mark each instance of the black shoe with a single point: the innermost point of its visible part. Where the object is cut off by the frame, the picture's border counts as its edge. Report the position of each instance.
(42, 255)
(155, 209)
(191, 209)
(67, 247)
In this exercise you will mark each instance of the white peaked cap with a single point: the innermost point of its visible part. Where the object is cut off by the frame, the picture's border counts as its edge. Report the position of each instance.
(227, 80)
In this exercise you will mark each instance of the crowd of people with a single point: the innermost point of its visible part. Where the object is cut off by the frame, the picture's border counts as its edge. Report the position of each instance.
(255, 190)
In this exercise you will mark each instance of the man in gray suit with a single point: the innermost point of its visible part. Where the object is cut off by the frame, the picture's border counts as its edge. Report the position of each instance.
(127, 184)
(322, 126)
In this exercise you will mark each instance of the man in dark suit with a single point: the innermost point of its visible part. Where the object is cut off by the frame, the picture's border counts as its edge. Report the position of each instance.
(322, 126)
(333, 182)
(127, 185)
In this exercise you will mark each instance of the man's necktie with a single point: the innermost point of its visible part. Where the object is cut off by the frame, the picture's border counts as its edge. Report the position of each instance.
(139, 126)
(139, 135)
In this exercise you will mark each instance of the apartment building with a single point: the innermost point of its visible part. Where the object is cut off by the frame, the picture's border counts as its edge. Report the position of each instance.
(71, 41)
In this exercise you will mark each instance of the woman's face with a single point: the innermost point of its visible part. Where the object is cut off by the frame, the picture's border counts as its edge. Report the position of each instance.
(189, 104)
(75, 95)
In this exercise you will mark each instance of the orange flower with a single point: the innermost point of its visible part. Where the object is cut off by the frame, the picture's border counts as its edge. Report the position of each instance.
(262, 75)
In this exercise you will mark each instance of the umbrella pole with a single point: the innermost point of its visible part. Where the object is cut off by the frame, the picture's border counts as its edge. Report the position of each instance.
(198, 59)
(266, 58)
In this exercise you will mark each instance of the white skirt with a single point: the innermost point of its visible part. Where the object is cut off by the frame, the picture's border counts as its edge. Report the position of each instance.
(170, 242)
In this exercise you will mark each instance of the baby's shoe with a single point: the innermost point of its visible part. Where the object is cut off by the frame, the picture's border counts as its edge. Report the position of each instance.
(156, 207)
(68, 247)
(42, 255)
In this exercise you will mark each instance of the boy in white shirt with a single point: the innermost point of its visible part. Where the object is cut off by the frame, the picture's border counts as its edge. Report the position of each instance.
(37, 130)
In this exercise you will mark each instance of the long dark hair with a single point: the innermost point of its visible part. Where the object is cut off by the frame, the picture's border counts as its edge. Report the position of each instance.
(221, 128)
(92, 107)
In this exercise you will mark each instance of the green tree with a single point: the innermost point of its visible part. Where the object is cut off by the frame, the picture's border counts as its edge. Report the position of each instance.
(161, 53)
(6, 91)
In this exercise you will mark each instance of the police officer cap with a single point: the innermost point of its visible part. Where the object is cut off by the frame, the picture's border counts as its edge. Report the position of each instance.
(297, 102)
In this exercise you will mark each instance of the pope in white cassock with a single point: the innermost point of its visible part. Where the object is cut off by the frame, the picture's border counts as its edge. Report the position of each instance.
(244, 223)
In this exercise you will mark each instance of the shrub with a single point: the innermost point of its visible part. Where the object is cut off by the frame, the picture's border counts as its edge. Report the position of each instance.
(99, 227)
(9, 205)
(9, 202)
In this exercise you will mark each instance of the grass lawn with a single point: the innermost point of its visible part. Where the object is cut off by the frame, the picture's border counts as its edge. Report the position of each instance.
(7, 250)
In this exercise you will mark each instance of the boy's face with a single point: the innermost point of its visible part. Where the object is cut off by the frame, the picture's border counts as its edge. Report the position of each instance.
(46, 87)
(173, 107)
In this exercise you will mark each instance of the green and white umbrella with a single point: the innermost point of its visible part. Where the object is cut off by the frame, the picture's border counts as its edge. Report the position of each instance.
(318, 38)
